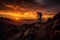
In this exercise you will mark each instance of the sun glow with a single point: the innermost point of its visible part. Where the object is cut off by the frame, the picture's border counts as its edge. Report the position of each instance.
(19, 16)
(17, 13)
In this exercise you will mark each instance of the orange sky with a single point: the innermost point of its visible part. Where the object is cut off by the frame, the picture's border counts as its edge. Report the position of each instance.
(17, 15)
(20, 13)
(22, 16)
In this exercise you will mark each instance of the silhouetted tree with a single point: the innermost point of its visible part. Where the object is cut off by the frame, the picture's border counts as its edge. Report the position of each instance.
(39, 16)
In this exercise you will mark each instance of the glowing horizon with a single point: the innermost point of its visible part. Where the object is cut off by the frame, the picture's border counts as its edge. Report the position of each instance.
(18, 16)
(16, 12)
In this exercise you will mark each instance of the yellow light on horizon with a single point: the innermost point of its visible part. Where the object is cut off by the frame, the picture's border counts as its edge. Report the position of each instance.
(18, 16)
(26, 13)
(25, 16)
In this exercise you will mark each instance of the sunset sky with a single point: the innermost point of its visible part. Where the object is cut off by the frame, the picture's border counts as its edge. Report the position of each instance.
(27, 9)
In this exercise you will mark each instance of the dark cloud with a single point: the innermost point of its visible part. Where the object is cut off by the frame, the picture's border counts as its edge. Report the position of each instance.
(31, 4)
(21, 2)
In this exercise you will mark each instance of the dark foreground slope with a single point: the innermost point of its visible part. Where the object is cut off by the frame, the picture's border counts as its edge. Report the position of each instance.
(6, 29)
(49, 30)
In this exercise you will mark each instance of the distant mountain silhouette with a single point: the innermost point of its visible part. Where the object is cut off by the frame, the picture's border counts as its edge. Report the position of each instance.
(5, 19)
